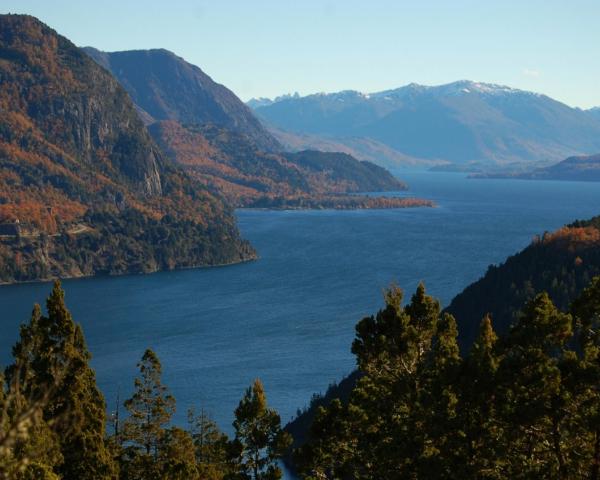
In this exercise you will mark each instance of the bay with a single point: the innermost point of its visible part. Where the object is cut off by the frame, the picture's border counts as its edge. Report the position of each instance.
(288, 318)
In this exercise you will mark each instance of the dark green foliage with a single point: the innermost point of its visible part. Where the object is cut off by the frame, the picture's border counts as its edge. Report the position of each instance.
(52, 368)
(522, 406)
(259, 439)
(560, 263)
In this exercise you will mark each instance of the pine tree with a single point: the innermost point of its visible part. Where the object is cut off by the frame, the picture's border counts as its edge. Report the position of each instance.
(392, 349)
(259, 439)
(150, 408)
(177, 460)
(586, 313)
(210, 444)
(53, 353)
(477, 410)
(531, 394)
(440, 456)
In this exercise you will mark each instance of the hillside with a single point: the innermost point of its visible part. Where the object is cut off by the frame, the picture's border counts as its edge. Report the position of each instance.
(207, 129)
(561, 263)
(83, 187)
(585, 168)
(461, 123)
(250, 177)
(166, 87)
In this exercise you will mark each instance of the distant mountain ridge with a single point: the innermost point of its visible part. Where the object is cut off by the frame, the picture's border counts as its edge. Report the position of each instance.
(210, 132)
(461, 122)
(595, 112)
(583, 168)
(166, 87)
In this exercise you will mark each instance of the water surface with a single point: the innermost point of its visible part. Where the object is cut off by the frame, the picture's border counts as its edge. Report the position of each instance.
(289, 317)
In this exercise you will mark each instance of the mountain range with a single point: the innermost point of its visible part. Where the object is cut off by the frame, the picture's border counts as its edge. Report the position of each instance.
(132, 162)
(461, 123)
(214, 136)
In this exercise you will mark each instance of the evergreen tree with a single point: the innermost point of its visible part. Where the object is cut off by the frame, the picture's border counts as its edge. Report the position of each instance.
(439, 402)
(177, 460)
(150, 409)
(52, 355)
(586, 382)
(532, 398)
(477, 410)
(392, 350)
(259, 439)
(210, 444)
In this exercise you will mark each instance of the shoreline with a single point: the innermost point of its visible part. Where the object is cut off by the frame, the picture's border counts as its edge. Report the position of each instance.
(124, 274)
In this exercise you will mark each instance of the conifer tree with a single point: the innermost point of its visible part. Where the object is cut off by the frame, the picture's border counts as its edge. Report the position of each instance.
(531, 393)
(259, 439)
(586, 313)
(150, 407)
(177, 460)
(477, 410)
(439, 401)
(210, 444)
(52, 354)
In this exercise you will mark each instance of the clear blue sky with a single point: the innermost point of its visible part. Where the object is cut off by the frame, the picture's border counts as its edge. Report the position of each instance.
(270, 47)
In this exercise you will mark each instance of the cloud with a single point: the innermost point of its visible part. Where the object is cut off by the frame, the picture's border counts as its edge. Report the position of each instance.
(532, 73)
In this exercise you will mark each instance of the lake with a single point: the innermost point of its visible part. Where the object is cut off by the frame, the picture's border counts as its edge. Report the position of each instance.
(289, 317)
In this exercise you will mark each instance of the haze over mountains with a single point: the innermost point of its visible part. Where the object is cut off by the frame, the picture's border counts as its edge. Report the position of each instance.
(204, 127)
(166, 87)
(460, 123)
(86, 189)
(584, 168)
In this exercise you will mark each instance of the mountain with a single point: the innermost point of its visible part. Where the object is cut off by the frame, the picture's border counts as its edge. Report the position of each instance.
(585, 168)
(462, 122)
(595, 112)
(205, 128)
(561, 263)
(83, 187)
(249, 177)
(166, 87)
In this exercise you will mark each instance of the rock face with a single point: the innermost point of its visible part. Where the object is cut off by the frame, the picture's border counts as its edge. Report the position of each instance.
(78, 166)
(207, 129)
(77, 105)
(166, 87)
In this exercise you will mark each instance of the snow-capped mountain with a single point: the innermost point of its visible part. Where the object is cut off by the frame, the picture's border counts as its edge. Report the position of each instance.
(460, 122)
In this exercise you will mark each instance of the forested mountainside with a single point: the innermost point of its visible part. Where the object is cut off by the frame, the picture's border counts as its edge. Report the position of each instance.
(248, 176)
(463, 123)
(583, 168)
(561, 263)
(519, 405)
(166, 87)
(214, 135)
(83, 187)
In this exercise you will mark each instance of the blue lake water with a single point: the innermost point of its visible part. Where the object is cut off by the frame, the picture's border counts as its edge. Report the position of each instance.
(289, 317)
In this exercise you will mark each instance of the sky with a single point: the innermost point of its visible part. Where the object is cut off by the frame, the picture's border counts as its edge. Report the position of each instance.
(272, 47)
